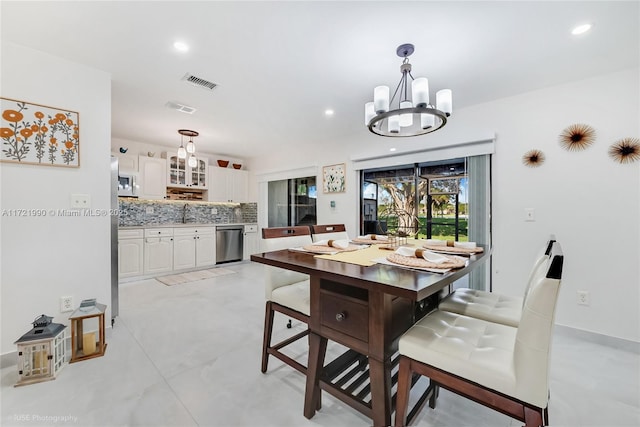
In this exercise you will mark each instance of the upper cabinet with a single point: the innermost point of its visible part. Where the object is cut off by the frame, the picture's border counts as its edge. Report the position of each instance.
(127, 162)
(181, 175)
(228, 185)
(152, 177)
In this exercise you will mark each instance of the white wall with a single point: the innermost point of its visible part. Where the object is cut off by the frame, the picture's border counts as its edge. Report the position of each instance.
(44, 258)
(589, 202)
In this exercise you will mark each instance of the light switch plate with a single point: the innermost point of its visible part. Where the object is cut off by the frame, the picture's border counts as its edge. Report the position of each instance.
(80, 201)
(529, 214)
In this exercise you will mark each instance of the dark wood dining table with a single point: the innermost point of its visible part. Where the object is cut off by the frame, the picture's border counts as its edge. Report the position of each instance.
(366, 309)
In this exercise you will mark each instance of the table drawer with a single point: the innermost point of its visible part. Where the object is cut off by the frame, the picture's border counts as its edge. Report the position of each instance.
(344, 314)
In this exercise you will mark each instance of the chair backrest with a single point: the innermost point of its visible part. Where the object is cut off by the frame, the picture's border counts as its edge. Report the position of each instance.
(533, 338)
(277, 238)
(539, 264)
(329, 232)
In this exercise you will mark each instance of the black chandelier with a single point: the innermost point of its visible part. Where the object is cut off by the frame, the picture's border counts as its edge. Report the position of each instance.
(409, 112)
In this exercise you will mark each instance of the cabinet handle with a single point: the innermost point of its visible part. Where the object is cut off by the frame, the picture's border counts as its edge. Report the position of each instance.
(341, 316)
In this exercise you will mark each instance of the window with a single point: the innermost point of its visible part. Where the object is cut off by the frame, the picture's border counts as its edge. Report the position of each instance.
(292, 202)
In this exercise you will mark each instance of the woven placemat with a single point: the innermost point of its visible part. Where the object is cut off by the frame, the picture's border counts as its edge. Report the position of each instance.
(369, 241)
(453, 250)
(410, 261)
(330, 249)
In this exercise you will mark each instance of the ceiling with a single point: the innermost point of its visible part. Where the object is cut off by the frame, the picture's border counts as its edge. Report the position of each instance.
(280, 65)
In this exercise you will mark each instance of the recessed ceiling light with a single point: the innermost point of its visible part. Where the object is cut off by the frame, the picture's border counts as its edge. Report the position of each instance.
(392, 149)
(328, 112)
(581, 29)
(180, 46)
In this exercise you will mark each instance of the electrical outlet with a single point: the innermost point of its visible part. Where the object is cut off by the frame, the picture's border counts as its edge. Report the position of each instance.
(582, 298)
(149, 210)
(214, 211)
(66, 304)
(80, 201)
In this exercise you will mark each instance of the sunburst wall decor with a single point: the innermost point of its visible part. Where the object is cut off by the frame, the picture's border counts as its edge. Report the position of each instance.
(626, 150)
(577, 137)
(533, 158)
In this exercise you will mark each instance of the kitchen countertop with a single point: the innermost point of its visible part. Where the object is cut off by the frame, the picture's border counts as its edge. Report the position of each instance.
(181, 225)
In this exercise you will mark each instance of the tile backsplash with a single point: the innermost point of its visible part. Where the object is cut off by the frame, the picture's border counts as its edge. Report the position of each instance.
(135, 212)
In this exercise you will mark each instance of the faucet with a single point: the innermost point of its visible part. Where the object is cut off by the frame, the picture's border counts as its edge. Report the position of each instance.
(184, 213)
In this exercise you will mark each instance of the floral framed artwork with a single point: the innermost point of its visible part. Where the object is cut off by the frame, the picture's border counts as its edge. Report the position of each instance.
(333, 178)
(38, 134)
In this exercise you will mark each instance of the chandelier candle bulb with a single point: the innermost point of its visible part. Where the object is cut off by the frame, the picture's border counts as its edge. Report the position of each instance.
(369, 113)
(406, 119)
(381, 99)
(427, 121)
(394, 124)
(420, 92)
(444, 101)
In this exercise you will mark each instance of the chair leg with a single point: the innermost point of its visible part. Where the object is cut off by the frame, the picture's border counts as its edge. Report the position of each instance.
(402, 396)
(268, 329)
(434, 396)
(545, 416)
(533, 418)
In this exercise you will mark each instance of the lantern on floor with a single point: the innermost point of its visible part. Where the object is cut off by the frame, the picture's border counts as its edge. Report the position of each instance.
(89, 317)
(41, 351)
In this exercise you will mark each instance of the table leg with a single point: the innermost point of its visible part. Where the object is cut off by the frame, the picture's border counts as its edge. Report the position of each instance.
(317, 350)
(380, 373)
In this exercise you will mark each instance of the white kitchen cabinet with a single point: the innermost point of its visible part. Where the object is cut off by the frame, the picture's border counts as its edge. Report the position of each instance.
(127, 163)
(228, 185)
(194, 247)
(181, 175)
(251, 244)
(158, 250)
(130, 253)
(152, 177)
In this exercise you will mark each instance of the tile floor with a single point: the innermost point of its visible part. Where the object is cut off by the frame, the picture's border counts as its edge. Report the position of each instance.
(189, 355)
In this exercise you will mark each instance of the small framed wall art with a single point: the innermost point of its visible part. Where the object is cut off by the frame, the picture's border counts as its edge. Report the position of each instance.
(333, 178)
(39, 135)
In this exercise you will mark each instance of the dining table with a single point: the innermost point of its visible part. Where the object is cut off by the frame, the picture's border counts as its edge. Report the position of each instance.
(364, 304)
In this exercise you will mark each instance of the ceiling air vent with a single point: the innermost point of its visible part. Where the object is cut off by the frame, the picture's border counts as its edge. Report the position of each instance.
(197, 81)
(180, 107)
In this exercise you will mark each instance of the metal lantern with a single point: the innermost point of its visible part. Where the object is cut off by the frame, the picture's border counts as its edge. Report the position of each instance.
(41, 351)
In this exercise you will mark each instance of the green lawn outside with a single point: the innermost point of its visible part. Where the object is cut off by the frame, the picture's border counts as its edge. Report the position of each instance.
(442, 228)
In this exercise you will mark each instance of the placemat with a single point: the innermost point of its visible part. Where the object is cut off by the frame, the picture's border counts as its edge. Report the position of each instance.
(331, 249)
(362, 257)
(453, 250)
(454, 262)
(369, 241)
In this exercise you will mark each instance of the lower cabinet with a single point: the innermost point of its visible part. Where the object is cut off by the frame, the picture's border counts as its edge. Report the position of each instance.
(194, 247)
(158, 250)
(251, 245)
(130, 253)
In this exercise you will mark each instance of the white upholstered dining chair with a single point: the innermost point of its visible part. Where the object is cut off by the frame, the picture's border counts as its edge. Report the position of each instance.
(498, 366)
(492, 306)
(329, 232)
(286, 292)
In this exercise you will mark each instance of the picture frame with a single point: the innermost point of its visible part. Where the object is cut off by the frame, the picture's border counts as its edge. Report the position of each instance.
(334, 178)
(37, 134)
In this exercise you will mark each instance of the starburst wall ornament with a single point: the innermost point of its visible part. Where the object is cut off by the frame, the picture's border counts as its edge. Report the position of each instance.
(577, 137)
(533, 158)
(626, 150)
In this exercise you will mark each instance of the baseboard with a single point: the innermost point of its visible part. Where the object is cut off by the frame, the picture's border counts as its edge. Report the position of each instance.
(596, 338)
(8, 359)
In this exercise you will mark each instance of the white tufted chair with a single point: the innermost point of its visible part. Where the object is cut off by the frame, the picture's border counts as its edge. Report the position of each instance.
(491, 306)
(329, 232)
(499, 366)
(286, 291)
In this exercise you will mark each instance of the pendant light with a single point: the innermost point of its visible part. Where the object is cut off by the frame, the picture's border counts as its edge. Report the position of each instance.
(191, 147)
(408, 112)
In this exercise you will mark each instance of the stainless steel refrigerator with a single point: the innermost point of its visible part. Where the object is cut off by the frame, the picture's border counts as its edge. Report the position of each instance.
(114, 239)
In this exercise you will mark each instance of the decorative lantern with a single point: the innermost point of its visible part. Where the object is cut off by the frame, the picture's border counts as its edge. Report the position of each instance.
(41, 351)
(86, 345)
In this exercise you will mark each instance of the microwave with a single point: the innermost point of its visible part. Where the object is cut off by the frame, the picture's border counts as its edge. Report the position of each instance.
(127, 185)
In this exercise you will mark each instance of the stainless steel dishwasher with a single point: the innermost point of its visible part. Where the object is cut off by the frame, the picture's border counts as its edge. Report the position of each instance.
(228, 243)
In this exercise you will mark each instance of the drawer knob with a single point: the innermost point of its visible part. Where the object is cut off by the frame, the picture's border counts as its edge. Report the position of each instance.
(341, 316)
